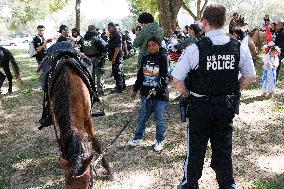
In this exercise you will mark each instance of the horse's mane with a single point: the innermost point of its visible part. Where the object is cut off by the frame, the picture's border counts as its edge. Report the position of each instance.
(70, 140)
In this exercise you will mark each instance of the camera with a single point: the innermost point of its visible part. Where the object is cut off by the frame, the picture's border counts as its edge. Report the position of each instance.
(137, 28)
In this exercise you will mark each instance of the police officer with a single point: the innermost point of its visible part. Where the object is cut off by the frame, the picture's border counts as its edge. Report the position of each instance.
(115, 55)
(95, 48)
(213, 88)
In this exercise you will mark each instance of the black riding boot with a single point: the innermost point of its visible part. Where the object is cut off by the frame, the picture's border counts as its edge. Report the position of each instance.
(46, 118)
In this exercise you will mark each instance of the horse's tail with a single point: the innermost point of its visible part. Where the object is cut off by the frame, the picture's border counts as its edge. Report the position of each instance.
(15, 67)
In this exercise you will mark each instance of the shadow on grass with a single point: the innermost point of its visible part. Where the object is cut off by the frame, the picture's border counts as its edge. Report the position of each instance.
(253, 99)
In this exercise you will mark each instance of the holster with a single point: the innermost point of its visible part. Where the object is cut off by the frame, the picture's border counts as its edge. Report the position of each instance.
(233, 102)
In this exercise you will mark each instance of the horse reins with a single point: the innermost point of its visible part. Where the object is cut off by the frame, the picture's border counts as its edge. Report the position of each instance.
(120, 132)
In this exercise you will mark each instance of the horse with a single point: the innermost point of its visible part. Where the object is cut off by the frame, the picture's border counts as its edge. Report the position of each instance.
(6, 58)
(70, 104)
(258, 37)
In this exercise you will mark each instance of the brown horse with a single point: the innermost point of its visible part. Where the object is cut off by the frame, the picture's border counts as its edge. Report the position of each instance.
(70, 103)
(6, 58)
(259, 38)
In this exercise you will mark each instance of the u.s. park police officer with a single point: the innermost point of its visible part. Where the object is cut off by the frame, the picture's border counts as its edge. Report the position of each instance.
(207, 74)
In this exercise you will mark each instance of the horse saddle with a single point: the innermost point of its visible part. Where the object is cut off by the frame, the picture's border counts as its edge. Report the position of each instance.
(80, 63)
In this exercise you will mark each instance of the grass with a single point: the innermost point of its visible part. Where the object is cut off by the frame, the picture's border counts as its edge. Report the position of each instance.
(275, 183)
(32, 155)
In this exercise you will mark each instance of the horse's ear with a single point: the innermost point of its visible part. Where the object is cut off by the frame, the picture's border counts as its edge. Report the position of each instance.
(63, 163)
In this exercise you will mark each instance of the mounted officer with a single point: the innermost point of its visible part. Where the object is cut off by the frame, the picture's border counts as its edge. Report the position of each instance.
(213, 88)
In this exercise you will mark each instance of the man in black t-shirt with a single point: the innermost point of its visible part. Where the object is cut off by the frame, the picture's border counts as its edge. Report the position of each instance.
(64, 31)
(40, 44)
(115, 55)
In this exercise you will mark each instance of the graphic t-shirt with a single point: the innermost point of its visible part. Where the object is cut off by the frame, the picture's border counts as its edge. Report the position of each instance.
(153, 73)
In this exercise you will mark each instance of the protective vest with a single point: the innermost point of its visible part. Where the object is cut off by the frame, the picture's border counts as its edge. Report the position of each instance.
(91, 48)
(218, 69)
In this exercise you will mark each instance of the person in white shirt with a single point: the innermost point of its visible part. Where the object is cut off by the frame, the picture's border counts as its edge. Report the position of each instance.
(207, 74)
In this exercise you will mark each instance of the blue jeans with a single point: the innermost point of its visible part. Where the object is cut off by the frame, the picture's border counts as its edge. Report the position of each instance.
(159, 107)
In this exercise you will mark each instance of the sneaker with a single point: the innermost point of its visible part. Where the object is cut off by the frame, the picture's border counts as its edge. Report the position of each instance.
(159, 146)
(232, 186)
(135, 142)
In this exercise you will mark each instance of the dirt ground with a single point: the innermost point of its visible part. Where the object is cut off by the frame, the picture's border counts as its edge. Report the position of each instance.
(29, 157)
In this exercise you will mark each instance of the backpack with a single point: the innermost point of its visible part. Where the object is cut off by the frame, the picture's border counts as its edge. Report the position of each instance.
(90, 47)
(32, 50)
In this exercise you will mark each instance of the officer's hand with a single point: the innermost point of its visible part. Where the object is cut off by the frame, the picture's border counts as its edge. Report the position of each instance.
(133, 95)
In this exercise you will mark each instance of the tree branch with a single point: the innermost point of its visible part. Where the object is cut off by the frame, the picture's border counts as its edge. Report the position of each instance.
(183, 5)
(203, 7)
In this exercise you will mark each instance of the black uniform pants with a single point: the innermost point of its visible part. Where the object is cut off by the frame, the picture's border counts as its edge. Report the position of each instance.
(209, 119)
(118, 74)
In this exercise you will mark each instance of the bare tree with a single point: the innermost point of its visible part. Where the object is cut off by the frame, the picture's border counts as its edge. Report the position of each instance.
(169, 9)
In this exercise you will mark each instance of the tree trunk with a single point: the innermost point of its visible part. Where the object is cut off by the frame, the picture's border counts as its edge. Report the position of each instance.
(168, 14)
(77, 10)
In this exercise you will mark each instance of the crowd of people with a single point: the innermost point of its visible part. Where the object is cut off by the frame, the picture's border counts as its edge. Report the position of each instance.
(208, 67)
(274, 49)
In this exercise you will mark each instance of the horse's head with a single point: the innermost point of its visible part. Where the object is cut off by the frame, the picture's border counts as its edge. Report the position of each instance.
(241, 22)
(77, 179)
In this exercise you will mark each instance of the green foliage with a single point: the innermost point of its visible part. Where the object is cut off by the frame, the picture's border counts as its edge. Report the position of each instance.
(138, 6)
(23, 13)
(275, 183)
(56, 5)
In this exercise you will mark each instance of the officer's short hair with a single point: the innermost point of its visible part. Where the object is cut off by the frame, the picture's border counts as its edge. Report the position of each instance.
(145, 18)
(215, 14)
(91, 27)
(40, 27)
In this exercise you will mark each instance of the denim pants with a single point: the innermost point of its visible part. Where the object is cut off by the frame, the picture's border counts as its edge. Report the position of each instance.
(159, 107)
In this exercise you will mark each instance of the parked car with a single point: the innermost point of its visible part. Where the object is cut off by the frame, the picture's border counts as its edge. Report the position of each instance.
(8, 42)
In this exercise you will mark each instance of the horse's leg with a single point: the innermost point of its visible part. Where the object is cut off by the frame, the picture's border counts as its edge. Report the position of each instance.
(9, 75)
(96, 144)
(2, 79)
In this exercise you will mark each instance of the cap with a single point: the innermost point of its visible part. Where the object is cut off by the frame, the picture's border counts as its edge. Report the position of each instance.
(111, 24)
(62, 27)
